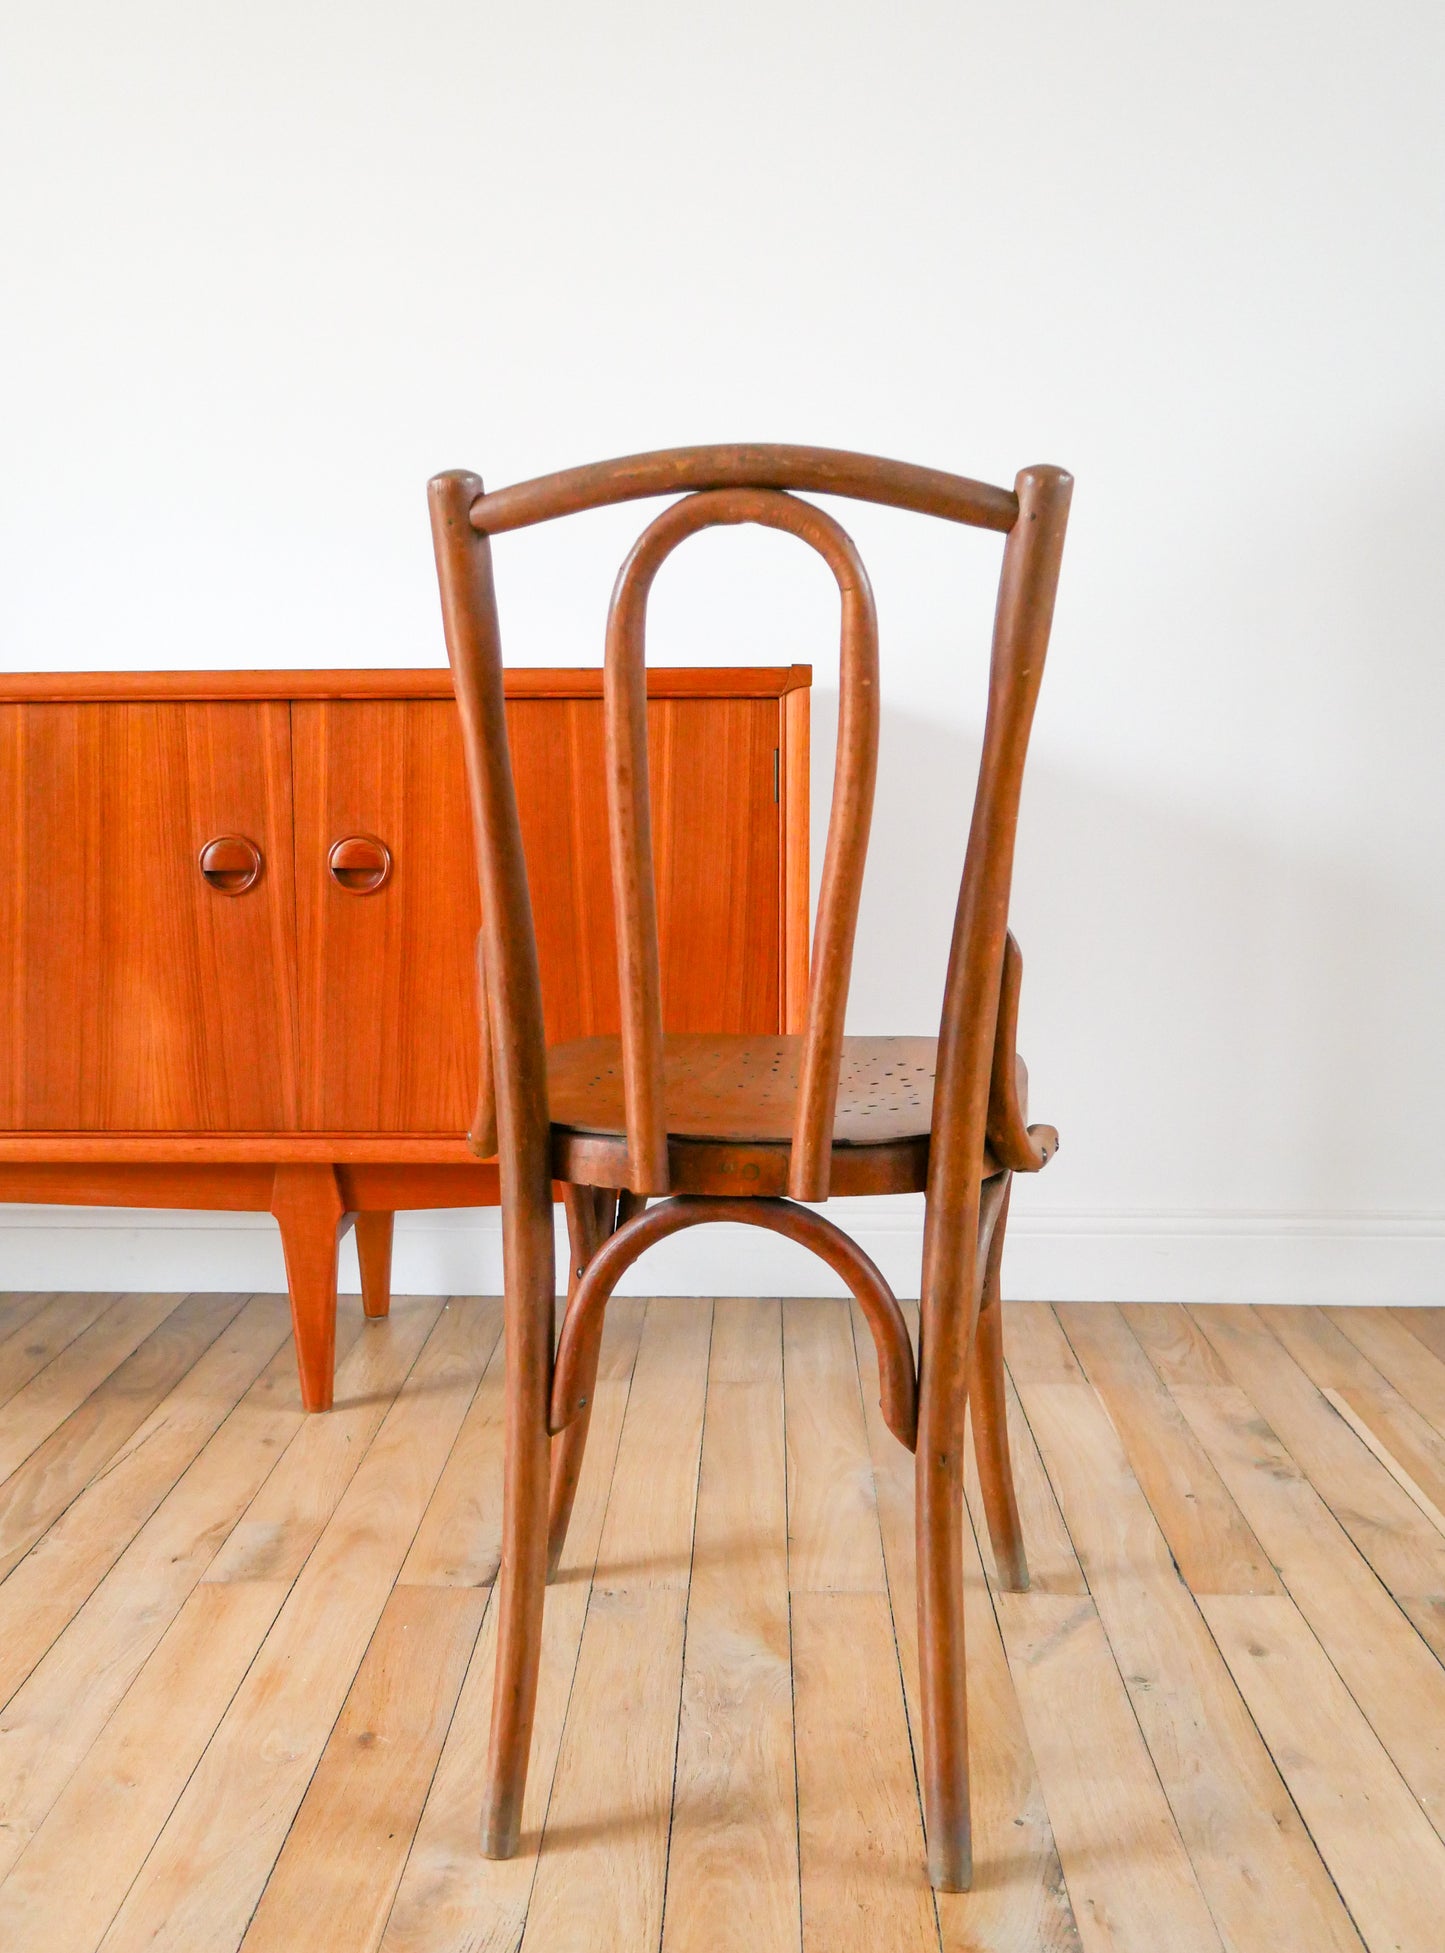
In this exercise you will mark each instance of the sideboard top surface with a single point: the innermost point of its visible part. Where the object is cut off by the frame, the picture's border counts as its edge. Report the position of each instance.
(521, 681)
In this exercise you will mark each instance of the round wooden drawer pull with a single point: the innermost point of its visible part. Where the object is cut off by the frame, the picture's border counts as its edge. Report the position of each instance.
(360, 864)
(231, 864)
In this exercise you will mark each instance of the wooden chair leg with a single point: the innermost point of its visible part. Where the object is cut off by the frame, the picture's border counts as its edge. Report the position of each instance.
(591, 1216)
(988, 1403)
(373, 1251)
(945, 1349)
(522, 1577)
(938, 1480)
(306, 1201)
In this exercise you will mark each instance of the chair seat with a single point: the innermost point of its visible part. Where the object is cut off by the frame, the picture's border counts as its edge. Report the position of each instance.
(730, 1102)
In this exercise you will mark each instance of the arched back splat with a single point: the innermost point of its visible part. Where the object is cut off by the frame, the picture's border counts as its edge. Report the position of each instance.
(633, 889)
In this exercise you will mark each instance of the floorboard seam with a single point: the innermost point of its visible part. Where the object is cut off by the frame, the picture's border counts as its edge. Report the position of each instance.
(1304, 1821)
(788, 1584)
(437, 1762)
(893, 1613)
(109, 1458)
(686, 1616)
(56, 1354)
(130, 1542)
(1319, 1491)
(1113, 1653)
(376, 1625)
(161, 1827)
(581, 1636)
(1228, 1679)
(260, 1647)
(1363, 1567)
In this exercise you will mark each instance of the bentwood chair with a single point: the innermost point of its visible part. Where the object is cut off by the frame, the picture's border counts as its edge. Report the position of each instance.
(737, 1128)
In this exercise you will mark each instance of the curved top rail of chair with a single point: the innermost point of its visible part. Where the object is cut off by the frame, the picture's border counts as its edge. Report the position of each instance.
(675, 471)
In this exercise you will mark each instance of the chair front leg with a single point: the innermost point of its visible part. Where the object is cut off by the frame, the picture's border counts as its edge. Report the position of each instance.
(938, 1478)
(988, 1402)
(949, 1314)
(522, 1577)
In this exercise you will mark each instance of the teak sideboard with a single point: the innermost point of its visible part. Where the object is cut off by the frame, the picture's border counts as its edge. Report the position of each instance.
(239, 912)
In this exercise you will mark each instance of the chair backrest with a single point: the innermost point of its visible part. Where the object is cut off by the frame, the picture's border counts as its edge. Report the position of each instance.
(731, 485)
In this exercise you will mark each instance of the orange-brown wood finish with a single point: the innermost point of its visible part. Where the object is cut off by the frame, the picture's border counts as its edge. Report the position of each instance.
(633, 854)
(613, 1253)
(957, 1215)
(593, 1213)
(518, 1073)
(394, 771)
(139, 996)
(817, 471)
(990, 1415)
(231, 863)
(241, 912)
(794, 791)
(374, 1231)
(307, 1203)
(386, 974)
(721, 1124)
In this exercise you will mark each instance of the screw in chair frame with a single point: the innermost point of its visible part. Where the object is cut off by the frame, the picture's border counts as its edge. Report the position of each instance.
(742, 1128)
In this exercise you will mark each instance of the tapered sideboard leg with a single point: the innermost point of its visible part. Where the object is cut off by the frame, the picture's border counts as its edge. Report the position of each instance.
(307, 1202)
(373, 1251)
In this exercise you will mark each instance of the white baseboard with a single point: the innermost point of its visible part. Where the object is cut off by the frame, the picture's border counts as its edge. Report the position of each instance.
(1128, 1257)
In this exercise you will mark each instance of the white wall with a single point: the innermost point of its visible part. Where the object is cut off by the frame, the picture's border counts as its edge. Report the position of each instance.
(268, 268)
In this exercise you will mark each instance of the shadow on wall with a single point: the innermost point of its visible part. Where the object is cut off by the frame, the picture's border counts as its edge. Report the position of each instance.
(1215, 1020)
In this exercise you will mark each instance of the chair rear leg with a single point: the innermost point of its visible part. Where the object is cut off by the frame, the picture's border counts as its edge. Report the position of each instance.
(522, 1578)
(989, 1404)
(569, 1447)
(591, 1215)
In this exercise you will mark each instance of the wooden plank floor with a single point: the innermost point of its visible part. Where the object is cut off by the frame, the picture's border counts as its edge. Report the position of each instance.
(245, 1655)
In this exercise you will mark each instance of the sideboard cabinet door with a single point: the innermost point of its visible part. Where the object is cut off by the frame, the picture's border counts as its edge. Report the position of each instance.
(387, 987)
(387, 970)
(716, 769)
(136, 995)
(716, 832)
